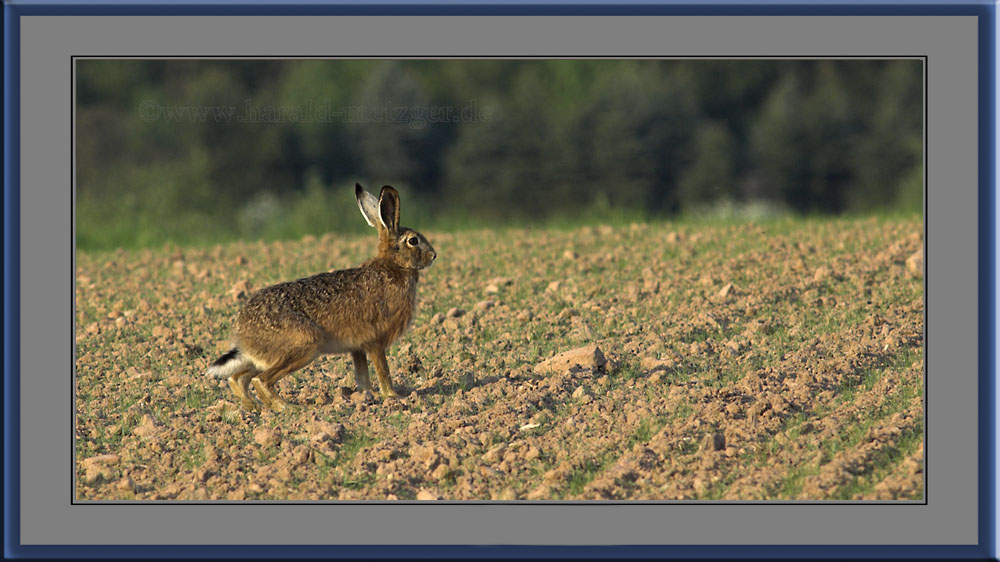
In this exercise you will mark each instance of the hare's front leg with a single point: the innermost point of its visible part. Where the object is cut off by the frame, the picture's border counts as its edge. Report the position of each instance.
(361, 379)
(377, 356)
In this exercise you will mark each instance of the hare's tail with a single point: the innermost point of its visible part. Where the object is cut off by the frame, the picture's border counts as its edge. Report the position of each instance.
(231, 362)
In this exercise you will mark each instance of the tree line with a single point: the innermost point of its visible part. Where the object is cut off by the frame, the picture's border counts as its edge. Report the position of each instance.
(190, 150)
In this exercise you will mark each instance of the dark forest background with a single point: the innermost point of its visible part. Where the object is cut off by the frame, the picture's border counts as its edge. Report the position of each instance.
(205, 151)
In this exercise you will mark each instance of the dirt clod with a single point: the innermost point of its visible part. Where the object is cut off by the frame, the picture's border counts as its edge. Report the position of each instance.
(440, 472)
(240, 290)
(147, 429)
(821, 274)
(100, 460)
(724, 292)
(713, 442)
(427, 495)
(126, 484)
(265, 436)
(915, 263)
(587, 358)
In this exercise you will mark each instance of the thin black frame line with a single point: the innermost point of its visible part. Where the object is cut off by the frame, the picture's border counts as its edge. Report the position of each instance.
(501, 502)
(923, 248)
(72, 220)
(498, 57)
(75, 501)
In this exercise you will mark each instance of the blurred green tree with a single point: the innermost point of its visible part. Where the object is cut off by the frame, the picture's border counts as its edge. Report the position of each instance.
(231, 140)
(712, 173)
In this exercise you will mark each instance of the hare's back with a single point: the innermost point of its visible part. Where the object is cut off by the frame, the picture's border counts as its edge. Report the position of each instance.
(275, 305)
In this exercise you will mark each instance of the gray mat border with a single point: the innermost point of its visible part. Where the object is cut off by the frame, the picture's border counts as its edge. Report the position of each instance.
(525, 524)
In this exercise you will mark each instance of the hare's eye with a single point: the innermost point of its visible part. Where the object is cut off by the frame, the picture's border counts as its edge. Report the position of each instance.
(412, 241)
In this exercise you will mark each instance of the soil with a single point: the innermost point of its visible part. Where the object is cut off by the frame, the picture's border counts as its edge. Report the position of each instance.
(735, 362)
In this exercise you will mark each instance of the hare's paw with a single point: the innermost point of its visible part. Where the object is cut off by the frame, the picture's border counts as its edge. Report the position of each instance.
(269, 397)
(279, 405)
(246, 402)
(388, 393)
(249, 404)
(363, 384)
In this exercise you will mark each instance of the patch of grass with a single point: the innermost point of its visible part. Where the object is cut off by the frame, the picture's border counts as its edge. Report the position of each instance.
(398, 420)
(194, 457)
(683, 410)
(849, 438)
(583, 474)
(647, 428)
(198, 398)
(358, 481)
(853, 435)
(626, 373)
(884, 462)
(109, 439)
(762, 454)
(779, 344)
(335, 467)
(688, 446)
(324, 464)
(353, 442)
(717, 490)
(698, 335)
(296, 480)
(580, 476)
(867, 378)
(124, 429)
(265, 454)
(231, 414)
(791, 486)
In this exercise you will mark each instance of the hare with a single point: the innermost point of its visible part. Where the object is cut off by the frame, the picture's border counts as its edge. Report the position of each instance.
(361, 311)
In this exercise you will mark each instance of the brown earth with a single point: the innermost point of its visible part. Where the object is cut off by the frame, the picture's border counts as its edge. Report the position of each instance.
(775, 361)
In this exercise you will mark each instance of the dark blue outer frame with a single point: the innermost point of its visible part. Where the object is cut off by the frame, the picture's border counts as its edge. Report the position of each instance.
(984, 10)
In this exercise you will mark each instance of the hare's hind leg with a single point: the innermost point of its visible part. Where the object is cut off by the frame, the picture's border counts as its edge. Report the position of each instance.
(239, 382)
(377, 356)
(266, 381)
(299, 345)
(361, 379)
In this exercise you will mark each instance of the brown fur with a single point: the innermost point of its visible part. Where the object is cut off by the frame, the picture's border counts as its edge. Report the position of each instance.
(360, 311)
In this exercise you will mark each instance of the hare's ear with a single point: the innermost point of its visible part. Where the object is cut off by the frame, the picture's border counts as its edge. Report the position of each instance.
(388, 206)
(368, 205)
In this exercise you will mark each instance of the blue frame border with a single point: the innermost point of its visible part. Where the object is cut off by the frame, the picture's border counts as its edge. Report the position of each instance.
(988, 234)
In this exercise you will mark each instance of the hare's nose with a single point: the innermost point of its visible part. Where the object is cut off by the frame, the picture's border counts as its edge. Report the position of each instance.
(434, 255)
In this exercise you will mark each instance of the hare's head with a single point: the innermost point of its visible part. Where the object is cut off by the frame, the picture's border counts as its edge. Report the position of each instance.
(406, 247)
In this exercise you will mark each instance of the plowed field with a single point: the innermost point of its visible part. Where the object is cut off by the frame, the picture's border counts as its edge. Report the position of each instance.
(781, 360)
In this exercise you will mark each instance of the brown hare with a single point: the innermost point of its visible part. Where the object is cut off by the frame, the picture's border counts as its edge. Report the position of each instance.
(361, 311)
